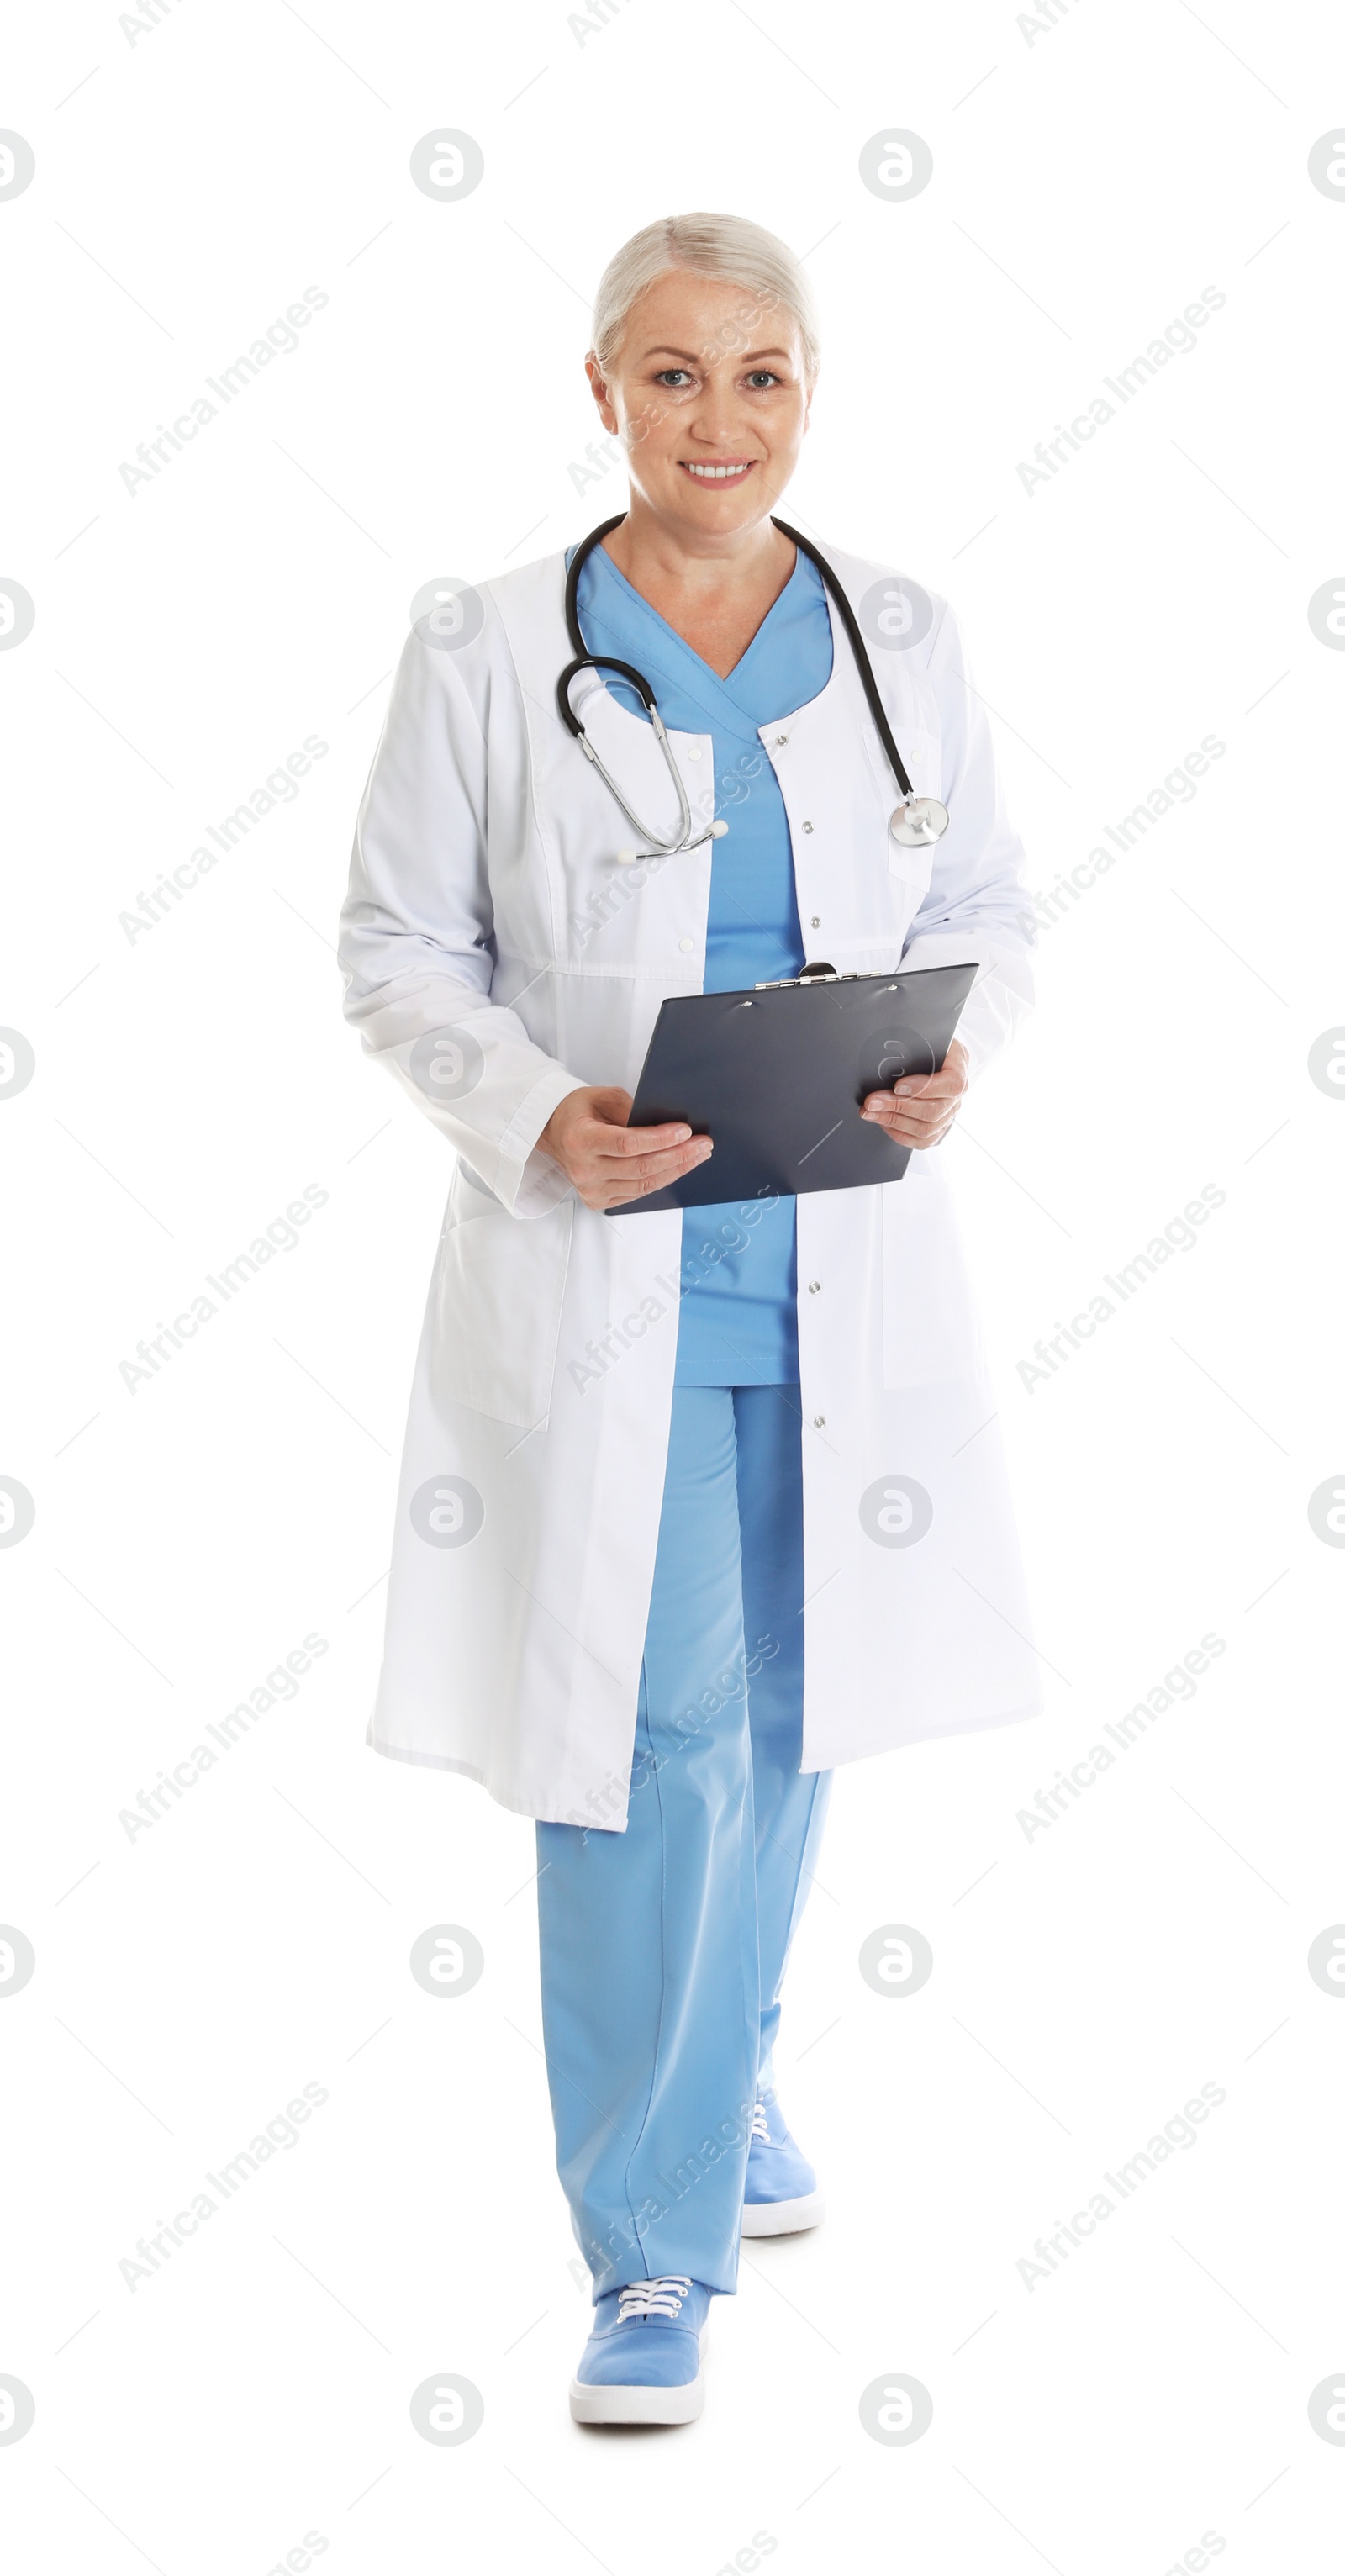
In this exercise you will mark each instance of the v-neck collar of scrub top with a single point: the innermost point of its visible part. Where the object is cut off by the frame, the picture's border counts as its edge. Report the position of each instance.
(686, 674)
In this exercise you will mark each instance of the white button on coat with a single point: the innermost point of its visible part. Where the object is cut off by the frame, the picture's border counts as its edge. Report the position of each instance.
(484, 900)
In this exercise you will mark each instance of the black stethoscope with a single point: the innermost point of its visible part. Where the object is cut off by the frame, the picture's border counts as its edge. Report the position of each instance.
(915, 822)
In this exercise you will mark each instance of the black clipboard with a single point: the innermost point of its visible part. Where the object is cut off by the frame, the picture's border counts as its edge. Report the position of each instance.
(776, 1077)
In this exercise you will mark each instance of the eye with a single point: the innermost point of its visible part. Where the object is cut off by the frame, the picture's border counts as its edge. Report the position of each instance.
(671, 375)
(762, 376)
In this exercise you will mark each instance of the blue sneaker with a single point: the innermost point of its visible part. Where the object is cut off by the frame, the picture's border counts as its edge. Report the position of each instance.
(782, 2194)
(642, 2362)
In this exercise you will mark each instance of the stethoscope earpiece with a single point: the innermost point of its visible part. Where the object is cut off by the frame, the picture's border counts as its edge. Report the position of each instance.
(627, 858)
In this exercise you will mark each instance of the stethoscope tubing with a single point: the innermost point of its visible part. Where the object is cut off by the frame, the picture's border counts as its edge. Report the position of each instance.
(860, 650)
(584, 660)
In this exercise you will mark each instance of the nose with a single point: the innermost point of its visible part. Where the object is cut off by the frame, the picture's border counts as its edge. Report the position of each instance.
(716, 422)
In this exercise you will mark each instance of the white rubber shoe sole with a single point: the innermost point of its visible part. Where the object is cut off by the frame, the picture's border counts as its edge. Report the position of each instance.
(590, 2404)
(783, 2217)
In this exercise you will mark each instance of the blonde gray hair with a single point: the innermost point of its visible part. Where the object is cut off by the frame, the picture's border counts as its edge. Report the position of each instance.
(724, 246)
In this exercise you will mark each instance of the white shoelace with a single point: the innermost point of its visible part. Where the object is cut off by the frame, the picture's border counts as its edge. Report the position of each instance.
(661, 2298)
(760, 2124)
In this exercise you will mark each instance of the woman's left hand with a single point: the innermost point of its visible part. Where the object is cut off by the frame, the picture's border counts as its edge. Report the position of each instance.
(920, 1109)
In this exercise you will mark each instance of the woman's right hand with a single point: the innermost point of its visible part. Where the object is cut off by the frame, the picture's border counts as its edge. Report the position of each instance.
(609, 1161)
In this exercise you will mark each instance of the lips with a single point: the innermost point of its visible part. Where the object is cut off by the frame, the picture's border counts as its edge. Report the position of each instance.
(718, 474)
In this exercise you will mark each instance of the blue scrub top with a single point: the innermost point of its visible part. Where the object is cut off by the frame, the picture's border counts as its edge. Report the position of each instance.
(738, 1320)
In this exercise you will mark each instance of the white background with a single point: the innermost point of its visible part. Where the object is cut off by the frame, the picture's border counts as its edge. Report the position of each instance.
(1091, 177)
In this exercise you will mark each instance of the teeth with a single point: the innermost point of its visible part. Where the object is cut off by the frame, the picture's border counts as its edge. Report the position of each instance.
(716, 473)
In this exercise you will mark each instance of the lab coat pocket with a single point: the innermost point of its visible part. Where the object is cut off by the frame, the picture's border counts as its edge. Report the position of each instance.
(909, 872)
(912, 868)
(931, 1330)
(499, 1288)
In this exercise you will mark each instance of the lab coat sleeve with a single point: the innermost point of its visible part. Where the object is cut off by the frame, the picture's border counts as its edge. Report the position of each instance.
(416, 941)
(975, 905)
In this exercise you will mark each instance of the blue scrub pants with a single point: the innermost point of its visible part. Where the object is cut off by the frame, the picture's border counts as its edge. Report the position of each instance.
(663, 1948)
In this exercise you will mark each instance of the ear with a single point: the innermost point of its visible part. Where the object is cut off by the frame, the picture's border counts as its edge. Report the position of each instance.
(601, 396)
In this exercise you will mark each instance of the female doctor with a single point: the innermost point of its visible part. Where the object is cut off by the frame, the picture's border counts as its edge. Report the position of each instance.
(694, 1504)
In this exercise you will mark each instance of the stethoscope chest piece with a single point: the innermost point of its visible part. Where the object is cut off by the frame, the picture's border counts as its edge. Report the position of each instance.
(917, 821)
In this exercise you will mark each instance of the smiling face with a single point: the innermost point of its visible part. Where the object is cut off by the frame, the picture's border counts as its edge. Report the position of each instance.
(709, 398)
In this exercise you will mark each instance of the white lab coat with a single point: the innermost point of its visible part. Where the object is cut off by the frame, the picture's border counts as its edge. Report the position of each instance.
(485, 899)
